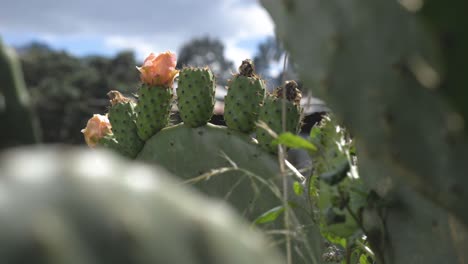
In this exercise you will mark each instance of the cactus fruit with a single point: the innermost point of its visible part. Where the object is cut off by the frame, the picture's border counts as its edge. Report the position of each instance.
(246, 92)
(271, 114)
(196, 95)
(76, 206)
(156, 93)
(153, 109)
(122, 117)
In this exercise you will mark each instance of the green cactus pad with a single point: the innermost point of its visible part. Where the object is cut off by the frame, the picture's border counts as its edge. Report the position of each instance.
(245, 95)
(153, 109)
(190, 152)
(90, 207)
(271, 114)
(411, 140)
(195, 94)
(20, 125)
(122, 118)
(226, 164)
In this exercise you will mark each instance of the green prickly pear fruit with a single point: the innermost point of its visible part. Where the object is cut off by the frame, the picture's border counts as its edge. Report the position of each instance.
(122, 117)
(195, 93)
(271, 113)
(156, 93)
(153, 109)
(246, 92)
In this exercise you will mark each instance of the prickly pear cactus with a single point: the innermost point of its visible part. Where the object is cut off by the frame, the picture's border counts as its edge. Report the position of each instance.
(77, 206)
(122, 117)
(196, 95)
(246, 92)
(388, 74)
(223, 162)
(272, 112)
(19, 124)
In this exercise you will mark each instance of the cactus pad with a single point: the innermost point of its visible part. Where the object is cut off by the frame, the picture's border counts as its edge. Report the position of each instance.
(244, 98)
(153, 108)
(91, 207)
(195, 94)
(411, 140)
(235, 169)
(271, 114)
(122, 118)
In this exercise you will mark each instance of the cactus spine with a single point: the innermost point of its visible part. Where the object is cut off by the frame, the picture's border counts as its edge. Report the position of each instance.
(271, 113)
(246, 92)
(195, 93)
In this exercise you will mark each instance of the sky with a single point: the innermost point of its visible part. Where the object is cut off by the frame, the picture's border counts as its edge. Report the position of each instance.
(104, 27)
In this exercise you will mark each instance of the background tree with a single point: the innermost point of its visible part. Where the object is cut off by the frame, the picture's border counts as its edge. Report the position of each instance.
(67, 90)
(209, 52)
(269, 60)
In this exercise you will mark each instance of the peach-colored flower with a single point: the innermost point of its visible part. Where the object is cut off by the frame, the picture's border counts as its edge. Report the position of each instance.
(159, 70)
(98, 126)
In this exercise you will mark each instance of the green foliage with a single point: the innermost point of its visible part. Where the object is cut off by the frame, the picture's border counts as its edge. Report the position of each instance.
(66, 90)
(88, 207)
(270, 215)
(294, 141)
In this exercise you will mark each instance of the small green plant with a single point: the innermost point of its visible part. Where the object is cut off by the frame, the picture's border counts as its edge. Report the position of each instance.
(336, 192)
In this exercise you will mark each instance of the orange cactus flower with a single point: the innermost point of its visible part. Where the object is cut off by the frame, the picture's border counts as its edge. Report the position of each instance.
(98, 126)
(159, 70)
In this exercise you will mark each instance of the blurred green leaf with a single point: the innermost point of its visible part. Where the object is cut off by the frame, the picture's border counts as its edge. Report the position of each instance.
(270, 216)
(363, 259)
(298, 188)
(293, 141)
(314, 132)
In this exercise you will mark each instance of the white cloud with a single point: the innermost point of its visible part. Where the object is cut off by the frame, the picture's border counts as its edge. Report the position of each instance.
(141, 25)
(236, 54)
